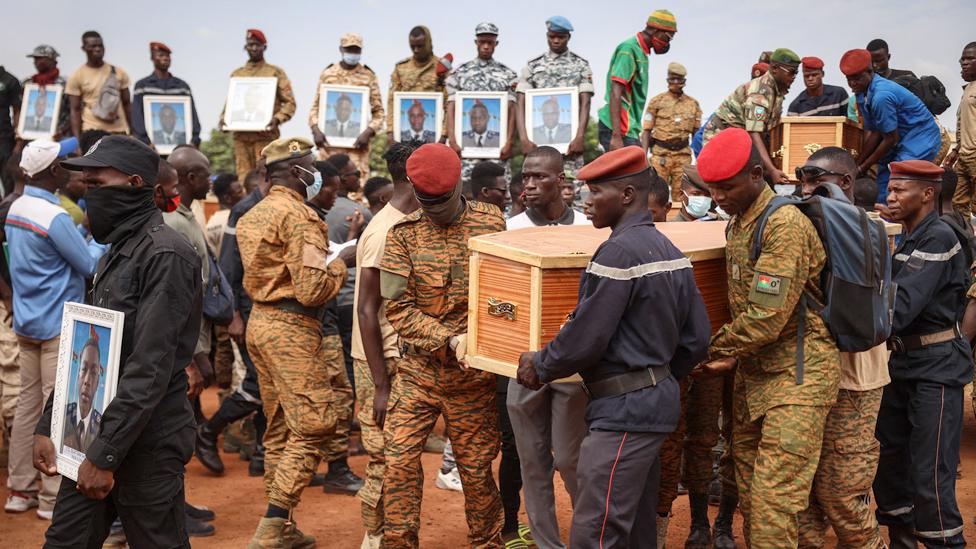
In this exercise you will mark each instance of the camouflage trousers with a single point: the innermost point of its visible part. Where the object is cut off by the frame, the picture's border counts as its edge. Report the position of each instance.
(374, 442)
(707, 396)
(842, 485)
(776, 458)
(423, 390)
(962, 199)
(247, 152)
(9, 369)
(288, 353)
(669, 165)
(358, 157)
(670, 456)
(335, 367)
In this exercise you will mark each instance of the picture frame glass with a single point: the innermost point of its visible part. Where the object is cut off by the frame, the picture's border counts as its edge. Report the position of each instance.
(552, 116)
(169, 121)
(40, 111)
(250, 103)
(418, 118)
(481, 122)
(343, 113)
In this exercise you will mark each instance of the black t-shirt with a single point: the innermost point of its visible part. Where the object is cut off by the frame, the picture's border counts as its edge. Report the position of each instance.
(10, 96)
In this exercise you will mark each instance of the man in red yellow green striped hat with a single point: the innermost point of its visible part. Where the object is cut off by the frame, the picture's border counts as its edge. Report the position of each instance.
(620, 117)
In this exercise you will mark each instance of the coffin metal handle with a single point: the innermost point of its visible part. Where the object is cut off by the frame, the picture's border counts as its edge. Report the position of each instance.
(502, 309)
(778, 153)
(812, 147)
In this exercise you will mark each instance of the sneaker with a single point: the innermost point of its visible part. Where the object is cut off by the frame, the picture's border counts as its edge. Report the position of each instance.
(45, 515)
(342, 481)
(449, 481)
(199, 513)
(19, 502)
(198, 529)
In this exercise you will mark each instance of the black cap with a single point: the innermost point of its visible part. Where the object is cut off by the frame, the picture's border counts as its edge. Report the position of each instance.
(129, 156)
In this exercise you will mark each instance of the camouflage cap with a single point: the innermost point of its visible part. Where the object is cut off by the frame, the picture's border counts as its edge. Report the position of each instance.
(486, 27)
(44, 51)
(785, 56)
(286, 148)
(677, 68)
(350, 39)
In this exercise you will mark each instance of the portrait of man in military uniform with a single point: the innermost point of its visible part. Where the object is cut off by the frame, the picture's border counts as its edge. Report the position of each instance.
(346, 109)
(82, 414)
(420, 119)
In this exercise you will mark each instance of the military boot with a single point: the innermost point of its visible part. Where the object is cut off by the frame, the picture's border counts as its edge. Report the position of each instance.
(700, 536)
(206, 448)
(271, 534)
(662, 530)
(256, 466)
(295, 539)
(902, 537)
(723, 538)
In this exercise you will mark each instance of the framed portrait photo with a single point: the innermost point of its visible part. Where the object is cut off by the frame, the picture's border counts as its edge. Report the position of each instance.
(418, 116)
(169, 121)
(343, 113)
(250, 103)
(87, 376)
(39, 112)
(481, 123)
(552, 116)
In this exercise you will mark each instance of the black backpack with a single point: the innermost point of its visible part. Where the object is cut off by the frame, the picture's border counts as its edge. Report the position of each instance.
(218, 297)
(927, 88)
(856, 280)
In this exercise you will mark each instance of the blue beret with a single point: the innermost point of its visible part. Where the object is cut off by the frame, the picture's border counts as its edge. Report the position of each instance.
(558, 23)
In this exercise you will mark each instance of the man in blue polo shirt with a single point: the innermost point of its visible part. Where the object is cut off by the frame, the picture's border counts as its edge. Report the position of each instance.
(897, 124)
(49, 261)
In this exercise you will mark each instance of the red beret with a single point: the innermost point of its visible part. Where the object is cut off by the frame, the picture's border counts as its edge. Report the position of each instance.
(153, 46)
(434, 169)
(616, 164)
(917, 170)
(855, 62)
(760, 69)
(724, 156)
(812, 63)
(257, 35)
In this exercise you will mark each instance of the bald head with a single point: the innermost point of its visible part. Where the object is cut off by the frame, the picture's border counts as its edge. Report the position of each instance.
(186, 158)
(193, 168)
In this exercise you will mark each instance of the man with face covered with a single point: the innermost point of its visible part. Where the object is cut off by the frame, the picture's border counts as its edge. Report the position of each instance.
(669, 120)
(162, 82)
(81, 419)
(421, 72)
(424, 275)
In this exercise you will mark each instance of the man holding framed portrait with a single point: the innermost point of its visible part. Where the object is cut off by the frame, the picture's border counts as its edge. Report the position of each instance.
(422, 72)
(163, 120)
(46, 63)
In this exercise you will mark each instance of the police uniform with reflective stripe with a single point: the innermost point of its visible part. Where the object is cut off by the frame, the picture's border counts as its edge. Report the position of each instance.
(920, 422)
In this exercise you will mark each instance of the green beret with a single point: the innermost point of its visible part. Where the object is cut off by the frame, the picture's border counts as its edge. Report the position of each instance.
(785, 56)
(286, 148)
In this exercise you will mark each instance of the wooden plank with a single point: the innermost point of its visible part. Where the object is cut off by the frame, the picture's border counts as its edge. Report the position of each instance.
(473, 281)
(535, 320)
(506, 369)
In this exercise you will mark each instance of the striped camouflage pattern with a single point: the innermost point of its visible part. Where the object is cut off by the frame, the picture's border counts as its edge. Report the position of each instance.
(335, 367)
(670, 456)
(755, 106)
(708, 396)
(374, 442)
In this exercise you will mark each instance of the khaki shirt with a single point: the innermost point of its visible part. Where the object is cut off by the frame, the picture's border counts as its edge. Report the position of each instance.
(284, 107)
(360, 75)
(183, 222)
(966, 122)
(866, 370)
(86, 83)
(672, 118)
(408, 75)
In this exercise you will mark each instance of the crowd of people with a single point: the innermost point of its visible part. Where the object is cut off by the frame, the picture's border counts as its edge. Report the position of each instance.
(321, 301)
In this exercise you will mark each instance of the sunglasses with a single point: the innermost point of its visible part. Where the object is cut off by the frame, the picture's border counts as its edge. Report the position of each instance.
(787, 69)
(813, 172)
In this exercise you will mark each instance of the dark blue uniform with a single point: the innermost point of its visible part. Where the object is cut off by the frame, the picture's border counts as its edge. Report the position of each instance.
(638, 308)
(920, 421)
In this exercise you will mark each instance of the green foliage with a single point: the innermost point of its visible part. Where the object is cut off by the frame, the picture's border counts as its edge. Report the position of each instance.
(377, 166)
(219, 148)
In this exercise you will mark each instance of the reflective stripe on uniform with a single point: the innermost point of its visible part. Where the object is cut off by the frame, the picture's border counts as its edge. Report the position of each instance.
(638, 271)
(930, 256)
(230, 230)
(898, 511)
(940, 534)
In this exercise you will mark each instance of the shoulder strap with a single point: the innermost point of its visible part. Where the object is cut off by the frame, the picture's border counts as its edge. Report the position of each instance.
(775, 204)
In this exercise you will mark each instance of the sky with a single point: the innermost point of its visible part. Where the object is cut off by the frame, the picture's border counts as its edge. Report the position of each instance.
(718, 41)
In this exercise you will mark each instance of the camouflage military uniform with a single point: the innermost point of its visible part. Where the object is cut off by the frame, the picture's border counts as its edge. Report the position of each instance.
(706, 398)
(778, 425)
(481, 75)
(360, 75)
(283, 247)
(755, 106)
(374, 441)
(248, 145)
(672, 119)
(408, 76)
(337, 446)
(424, 273)
(551, 70)
(670, 457)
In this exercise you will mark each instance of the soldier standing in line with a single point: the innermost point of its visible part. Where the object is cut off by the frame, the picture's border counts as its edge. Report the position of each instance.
(779, 410)
(349, 72)
(284, 246)
(424, 274)
(248, 145)
(421, 72)
(962, 157)
(670, 119)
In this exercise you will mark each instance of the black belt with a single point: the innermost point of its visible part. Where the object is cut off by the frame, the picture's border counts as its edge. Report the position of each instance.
(676, 145)
(901, 344)
(626, 383)
(293, 306)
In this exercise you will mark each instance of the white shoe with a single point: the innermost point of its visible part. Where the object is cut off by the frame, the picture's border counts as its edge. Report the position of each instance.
(371, 541)
(45, 515)
(19, 502)
(449, 481)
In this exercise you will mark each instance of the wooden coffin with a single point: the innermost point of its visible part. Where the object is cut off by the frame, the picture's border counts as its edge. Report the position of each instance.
(795, 138)
(523, 283)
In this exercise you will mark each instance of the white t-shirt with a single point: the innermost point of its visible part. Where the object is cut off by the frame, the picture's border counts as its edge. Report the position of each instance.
(524, 220)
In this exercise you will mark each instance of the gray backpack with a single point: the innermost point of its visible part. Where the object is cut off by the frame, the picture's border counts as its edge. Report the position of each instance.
(109, 98)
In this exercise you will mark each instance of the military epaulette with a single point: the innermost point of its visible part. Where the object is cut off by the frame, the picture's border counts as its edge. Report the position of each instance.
(402, 61)
(484, 207)
(365, 66)
(537, 58)
(581, 58)
(410, 218)
(329, 66)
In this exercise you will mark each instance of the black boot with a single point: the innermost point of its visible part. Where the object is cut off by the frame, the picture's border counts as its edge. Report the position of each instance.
(902, 537)
(255, 468)
(206, 449)
(231, 409)
(723, 523)
(700, 536)
(341, 480)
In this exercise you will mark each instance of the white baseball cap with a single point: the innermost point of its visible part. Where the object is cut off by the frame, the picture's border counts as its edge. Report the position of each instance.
(38, 155)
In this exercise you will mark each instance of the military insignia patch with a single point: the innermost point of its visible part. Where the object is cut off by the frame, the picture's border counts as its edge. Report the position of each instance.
(768, 284)
(759, 112)
(294, 147)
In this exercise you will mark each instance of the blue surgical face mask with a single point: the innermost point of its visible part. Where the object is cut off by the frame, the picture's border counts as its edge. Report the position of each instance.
(351, 59)
(698, 206)
(312, 189)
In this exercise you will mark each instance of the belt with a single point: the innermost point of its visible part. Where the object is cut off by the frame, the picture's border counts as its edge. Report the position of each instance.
(676, 145)
(443, 356)
(627, 383)
(901, 344)
(293, 306)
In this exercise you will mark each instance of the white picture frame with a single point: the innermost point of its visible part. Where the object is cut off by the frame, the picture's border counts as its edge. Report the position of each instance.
(81, 325)
(539, 106)
(250, 103)
(496, 125)
(29, 125)
(356, 99)
(158, 111)
(424, 105)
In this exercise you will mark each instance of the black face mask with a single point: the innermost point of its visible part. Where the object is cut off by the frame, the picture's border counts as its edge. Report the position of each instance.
(117, 210)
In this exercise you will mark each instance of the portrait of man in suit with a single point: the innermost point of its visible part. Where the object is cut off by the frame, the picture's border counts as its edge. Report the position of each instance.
(252, 111)
(479, 135)
(551, 131)
(38, 120)
(167, 134)
(344, 124)
(417, 117)
(81, 419)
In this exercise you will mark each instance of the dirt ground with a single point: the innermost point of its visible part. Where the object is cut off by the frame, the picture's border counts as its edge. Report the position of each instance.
(335, 521)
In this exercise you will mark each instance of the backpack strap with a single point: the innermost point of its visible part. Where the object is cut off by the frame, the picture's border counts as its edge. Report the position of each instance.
(774, 204)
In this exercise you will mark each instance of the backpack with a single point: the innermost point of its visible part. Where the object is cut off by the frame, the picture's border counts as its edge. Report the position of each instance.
(218, 298)
(927, 88)
(856, 280)
(109, 98)
(966, 239)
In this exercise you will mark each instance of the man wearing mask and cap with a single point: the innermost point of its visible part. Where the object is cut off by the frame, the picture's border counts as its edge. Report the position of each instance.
(670, 119)
(630, 373)
(49, 263)
(557, 68)
(424, 274)
(619, 124)
(818, 99)
(287, 272)
(152, 275)
(421, 72)
(349, 71)
(46, 63)
(248, 145)
(160, 82)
